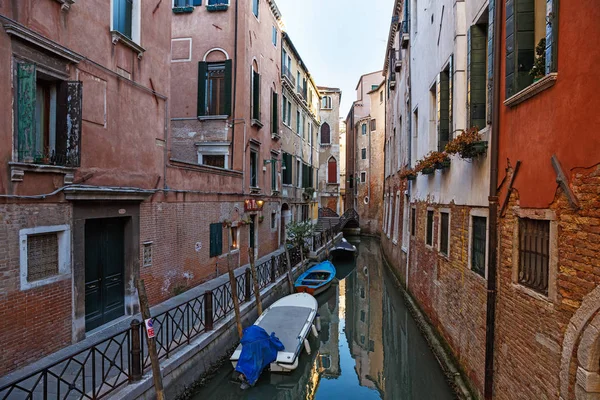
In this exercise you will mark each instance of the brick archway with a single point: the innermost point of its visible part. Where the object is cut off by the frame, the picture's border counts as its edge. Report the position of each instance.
(583, 333)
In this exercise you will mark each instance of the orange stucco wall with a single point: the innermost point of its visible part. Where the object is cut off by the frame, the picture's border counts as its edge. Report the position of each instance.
(561, 120)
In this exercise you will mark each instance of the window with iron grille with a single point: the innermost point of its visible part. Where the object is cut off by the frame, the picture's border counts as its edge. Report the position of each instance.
(478, 245)
(429, 238)
(534, 254)
(147, 254)
(42, 256)
(445, 233)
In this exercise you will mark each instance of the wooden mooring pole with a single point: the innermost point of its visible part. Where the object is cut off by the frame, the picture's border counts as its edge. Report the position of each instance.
(290, 278)
(145, 308)
(234, 290)
(255, 281)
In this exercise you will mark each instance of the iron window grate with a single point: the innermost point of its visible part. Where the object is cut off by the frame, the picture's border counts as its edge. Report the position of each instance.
(42, 256)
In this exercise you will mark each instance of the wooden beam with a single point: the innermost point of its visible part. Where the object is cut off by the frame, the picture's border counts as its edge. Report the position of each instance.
(510, 188)
(563, 181)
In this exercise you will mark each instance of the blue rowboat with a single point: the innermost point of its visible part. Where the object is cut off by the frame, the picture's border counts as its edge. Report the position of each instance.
(316, 279)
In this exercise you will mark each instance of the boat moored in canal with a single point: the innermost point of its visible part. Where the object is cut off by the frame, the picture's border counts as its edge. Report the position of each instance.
(291, 320)
(316, 279)
(343, 248)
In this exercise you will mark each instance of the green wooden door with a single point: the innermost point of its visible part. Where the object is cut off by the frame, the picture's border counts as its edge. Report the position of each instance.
(104, 270)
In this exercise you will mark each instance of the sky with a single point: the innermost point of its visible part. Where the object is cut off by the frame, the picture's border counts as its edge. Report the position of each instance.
(339, 40)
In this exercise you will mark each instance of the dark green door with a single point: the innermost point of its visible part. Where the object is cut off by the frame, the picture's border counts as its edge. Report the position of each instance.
(252, 231)
(104, 270)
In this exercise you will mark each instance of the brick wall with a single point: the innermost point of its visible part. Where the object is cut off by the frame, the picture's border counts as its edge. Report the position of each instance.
(531, 329)
(36, 321)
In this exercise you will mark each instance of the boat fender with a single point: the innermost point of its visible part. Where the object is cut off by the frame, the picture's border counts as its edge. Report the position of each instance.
(318, 322)
(314, 331)
(307, 346)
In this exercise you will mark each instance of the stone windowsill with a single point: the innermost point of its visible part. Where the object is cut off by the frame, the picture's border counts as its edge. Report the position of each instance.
(254, 190)
(257, 123)
(119, 37)
(204, 168)
(537, 87)
(66, 4)
(18, 169)
(212, 117)
(530, 292)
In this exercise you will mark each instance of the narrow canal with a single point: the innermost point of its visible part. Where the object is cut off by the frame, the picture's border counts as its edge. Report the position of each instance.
(369, 346)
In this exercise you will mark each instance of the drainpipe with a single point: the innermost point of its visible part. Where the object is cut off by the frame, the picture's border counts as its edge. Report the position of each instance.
(410, 183)
(493, 209)
(234, 122)
(235, 56)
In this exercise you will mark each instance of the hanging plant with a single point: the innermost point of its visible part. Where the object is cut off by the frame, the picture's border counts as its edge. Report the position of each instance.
(261, 219)
(468, 144)
(439, 159)
(227, 223)
(409, 174)
(538, 71)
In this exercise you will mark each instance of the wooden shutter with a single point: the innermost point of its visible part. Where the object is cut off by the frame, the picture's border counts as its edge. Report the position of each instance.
(520, 44)
(332, 171)
(202, 69)
(450, 99)
(443, 109)
(197, 3)
(476, 75)
(275, 114)
(68, 123)
(325, 133)
(216, 240)
(26, 135)
(228, 88)
(551, 36)
(255, 95)
(490, 57)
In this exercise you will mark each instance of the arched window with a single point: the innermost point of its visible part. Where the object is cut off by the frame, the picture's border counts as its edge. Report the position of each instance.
(332, 171)
(325, 133)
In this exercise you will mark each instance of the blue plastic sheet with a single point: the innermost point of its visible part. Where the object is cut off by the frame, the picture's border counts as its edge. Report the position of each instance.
(258, 351)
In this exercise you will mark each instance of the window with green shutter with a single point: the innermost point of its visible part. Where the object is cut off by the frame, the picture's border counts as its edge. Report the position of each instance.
(214, 88)
(253, 169)
(275, 114)
(477, 75)
(478, 245)
(256, 95)
(48, 118)
(287, 172)
(444, 106)
(274, 174)
(216, 240)
(531, 25)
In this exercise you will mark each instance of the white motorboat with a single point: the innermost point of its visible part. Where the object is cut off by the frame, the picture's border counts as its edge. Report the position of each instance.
(291, 319)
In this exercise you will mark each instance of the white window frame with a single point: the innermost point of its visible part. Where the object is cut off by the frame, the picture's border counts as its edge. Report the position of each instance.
(396, 218)
(389, 217)
(64, 254)
(479, 212)
(213, 149)
(385, 213)
(405, 224)
(439, 239)
(430, 246)
(136, 20)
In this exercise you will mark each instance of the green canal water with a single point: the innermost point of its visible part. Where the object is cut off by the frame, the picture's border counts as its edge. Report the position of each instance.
(369, 346)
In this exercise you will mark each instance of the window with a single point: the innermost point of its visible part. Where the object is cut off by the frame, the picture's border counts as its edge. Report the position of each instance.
(304, 217)
(362, 316)
(534, 254)
(363, 153)
(415, 140)
(298, 173)
(48, 118)
(390, 214)
(274, 187)
(445, 233)
(310, 133)
(255, 8)
(325, 361)
(477, 38)
(413, 221)
(429, 237)
(332, 171)
(45, 255)
(273, 221)
(373, 125)
(405, 222)
(213, 154)
(306, 175)
(255, 93)
(298, 122)
(275, 113)
(381, 96)
(374, 87)
(214, 160)
(478, 244)
(325, 133)
(287, 171)
(364, 129)
(363, 177)
(147, 256)
(214, 88)
(122, 17)
(433, 116)
(326, 102)
(274, 36)
(234, 238)
(530, 25)
(253, 169)
(444, 106)
(216, 239)
(286, 111)
(191, 3)
(396, 219)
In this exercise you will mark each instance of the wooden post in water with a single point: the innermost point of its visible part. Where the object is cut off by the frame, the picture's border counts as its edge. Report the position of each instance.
(290, 278)
(145, 308)
(255, 281)
(234, 291)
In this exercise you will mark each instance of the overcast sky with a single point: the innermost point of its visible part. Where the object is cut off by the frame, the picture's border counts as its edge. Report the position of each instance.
(339, 40)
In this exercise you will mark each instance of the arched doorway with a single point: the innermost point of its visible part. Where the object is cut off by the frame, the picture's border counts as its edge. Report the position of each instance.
(286, 217)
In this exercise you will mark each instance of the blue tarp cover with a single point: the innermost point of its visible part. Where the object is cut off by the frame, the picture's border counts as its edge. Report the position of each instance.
(258, 350)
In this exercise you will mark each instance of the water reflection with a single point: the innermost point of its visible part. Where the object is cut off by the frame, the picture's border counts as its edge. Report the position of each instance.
(369, 346)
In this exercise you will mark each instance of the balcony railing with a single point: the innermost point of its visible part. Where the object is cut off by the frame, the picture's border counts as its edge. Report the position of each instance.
(68, 158)
(287, 74)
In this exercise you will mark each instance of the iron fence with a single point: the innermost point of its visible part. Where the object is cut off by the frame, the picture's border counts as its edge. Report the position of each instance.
(98, 370)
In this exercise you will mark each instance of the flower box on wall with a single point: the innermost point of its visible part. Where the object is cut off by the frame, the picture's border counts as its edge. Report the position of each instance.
(183, 10)
(442, 165)
(428, 171)
(217, 7)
